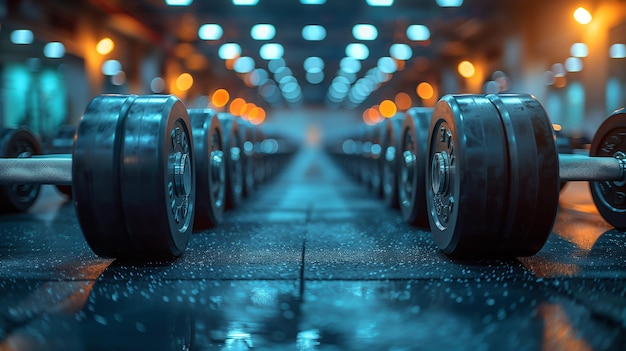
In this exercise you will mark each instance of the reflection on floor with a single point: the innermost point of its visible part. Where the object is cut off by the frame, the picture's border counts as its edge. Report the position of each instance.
(311, 261)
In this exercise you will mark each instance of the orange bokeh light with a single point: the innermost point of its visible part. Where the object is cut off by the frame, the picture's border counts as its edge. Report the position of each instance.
(257, 115)
(387, 108)
(403, 101)
(220, 98)
(184, 82)
(425, 91)
(236, 106)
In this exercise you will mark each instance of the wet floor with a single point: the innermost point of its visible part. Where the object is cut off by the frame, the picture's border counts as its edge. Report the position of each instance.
(312, 261)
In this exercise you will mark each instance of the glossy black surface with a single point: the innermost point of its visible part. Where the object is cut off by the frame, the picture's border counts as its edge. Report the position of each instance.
(312, 261)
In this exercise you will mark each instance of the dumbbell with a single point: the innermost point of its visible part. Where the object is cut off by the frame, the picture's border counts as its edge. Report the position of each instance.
(411, 174)
(19, 143)
(132, 174)
(493, 174)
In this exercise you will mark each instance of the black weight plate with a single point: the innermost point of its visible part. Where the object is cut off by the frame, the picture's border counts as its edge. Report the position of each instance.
(411, 168)
(533, 183)
(610, 196)
(390, 154)
(466, 175)
(96, 175)
(210, 167)
(234, 171)
(247, 130)
(157, 177)
(18, 143)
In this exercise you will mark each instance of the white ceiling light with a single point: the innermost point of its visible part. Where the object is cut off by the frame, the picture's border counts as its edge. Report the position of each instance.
(210, 31)
(22, 37)
(313, 63)
(263, 32)
(358, 51)
(418, 32)
(379, 2)
(449, 3)
(313, 32)
(387, 65)
(350, 65)
(229, 51)
(245, 2)
(401, 51)
(244, 64)
(271, 51)
(364, 32)
(54, 49)
(178, 2)
(617, 51)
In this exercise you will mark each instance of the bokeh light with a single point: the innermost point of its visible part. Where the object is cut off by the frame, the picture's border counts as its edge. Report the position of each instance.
(220, 98)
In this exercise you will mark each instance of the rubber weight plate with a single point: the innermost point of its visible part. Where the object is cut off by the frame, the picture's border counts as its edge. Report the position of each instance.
(390, 155)
(533, 183)
(411, 174)
(210, 167)
(466, 175)
(610, 196)
(158, 176)
(96, 178)
(18, 143)
(234, 171)
(134, 176)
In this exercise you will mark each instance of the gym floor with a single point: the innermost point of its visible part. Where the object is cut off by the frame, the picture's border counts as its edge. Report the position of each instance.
(311, 261)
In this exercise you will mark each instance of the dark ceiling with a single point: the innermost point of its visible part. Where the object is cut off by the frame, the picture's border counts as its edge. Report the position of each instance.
(455, 32)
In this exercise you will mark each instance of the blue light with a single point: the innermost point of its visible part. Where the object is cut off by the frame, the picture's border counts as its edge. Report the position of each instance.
(229, 51)
(312, 2)
(417, 32)
(245, 2)
(449, 3)
(263, 32)
(350, 65)
(379, 2)
(313, 32)
(22, 37)
(579, 50)
(387, 65)
(271, 51)
(358, 51)
(54, 49)
(364, 32)
(244, 64)
(178, 2)
(313, 63)
(617, 51)
(401, 51)
(111, 67)
(210, 31)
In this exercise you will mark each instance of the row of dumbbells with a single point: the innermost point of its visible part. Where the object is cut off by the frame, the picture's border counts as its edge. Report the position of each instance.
(484, 172)
(144, 172)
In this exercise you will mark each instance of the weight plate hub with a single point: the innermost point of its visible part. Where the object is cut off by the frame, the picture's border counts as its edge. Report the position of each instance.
(411, 173)
(210, 167)
(18, 143)
(234, 169)
(610, 196)
(134, 176)
(466, 178)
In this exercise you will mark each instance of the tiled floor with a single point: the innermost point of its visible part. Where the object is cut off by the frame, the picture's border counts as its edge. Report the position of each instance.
(311, 262)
